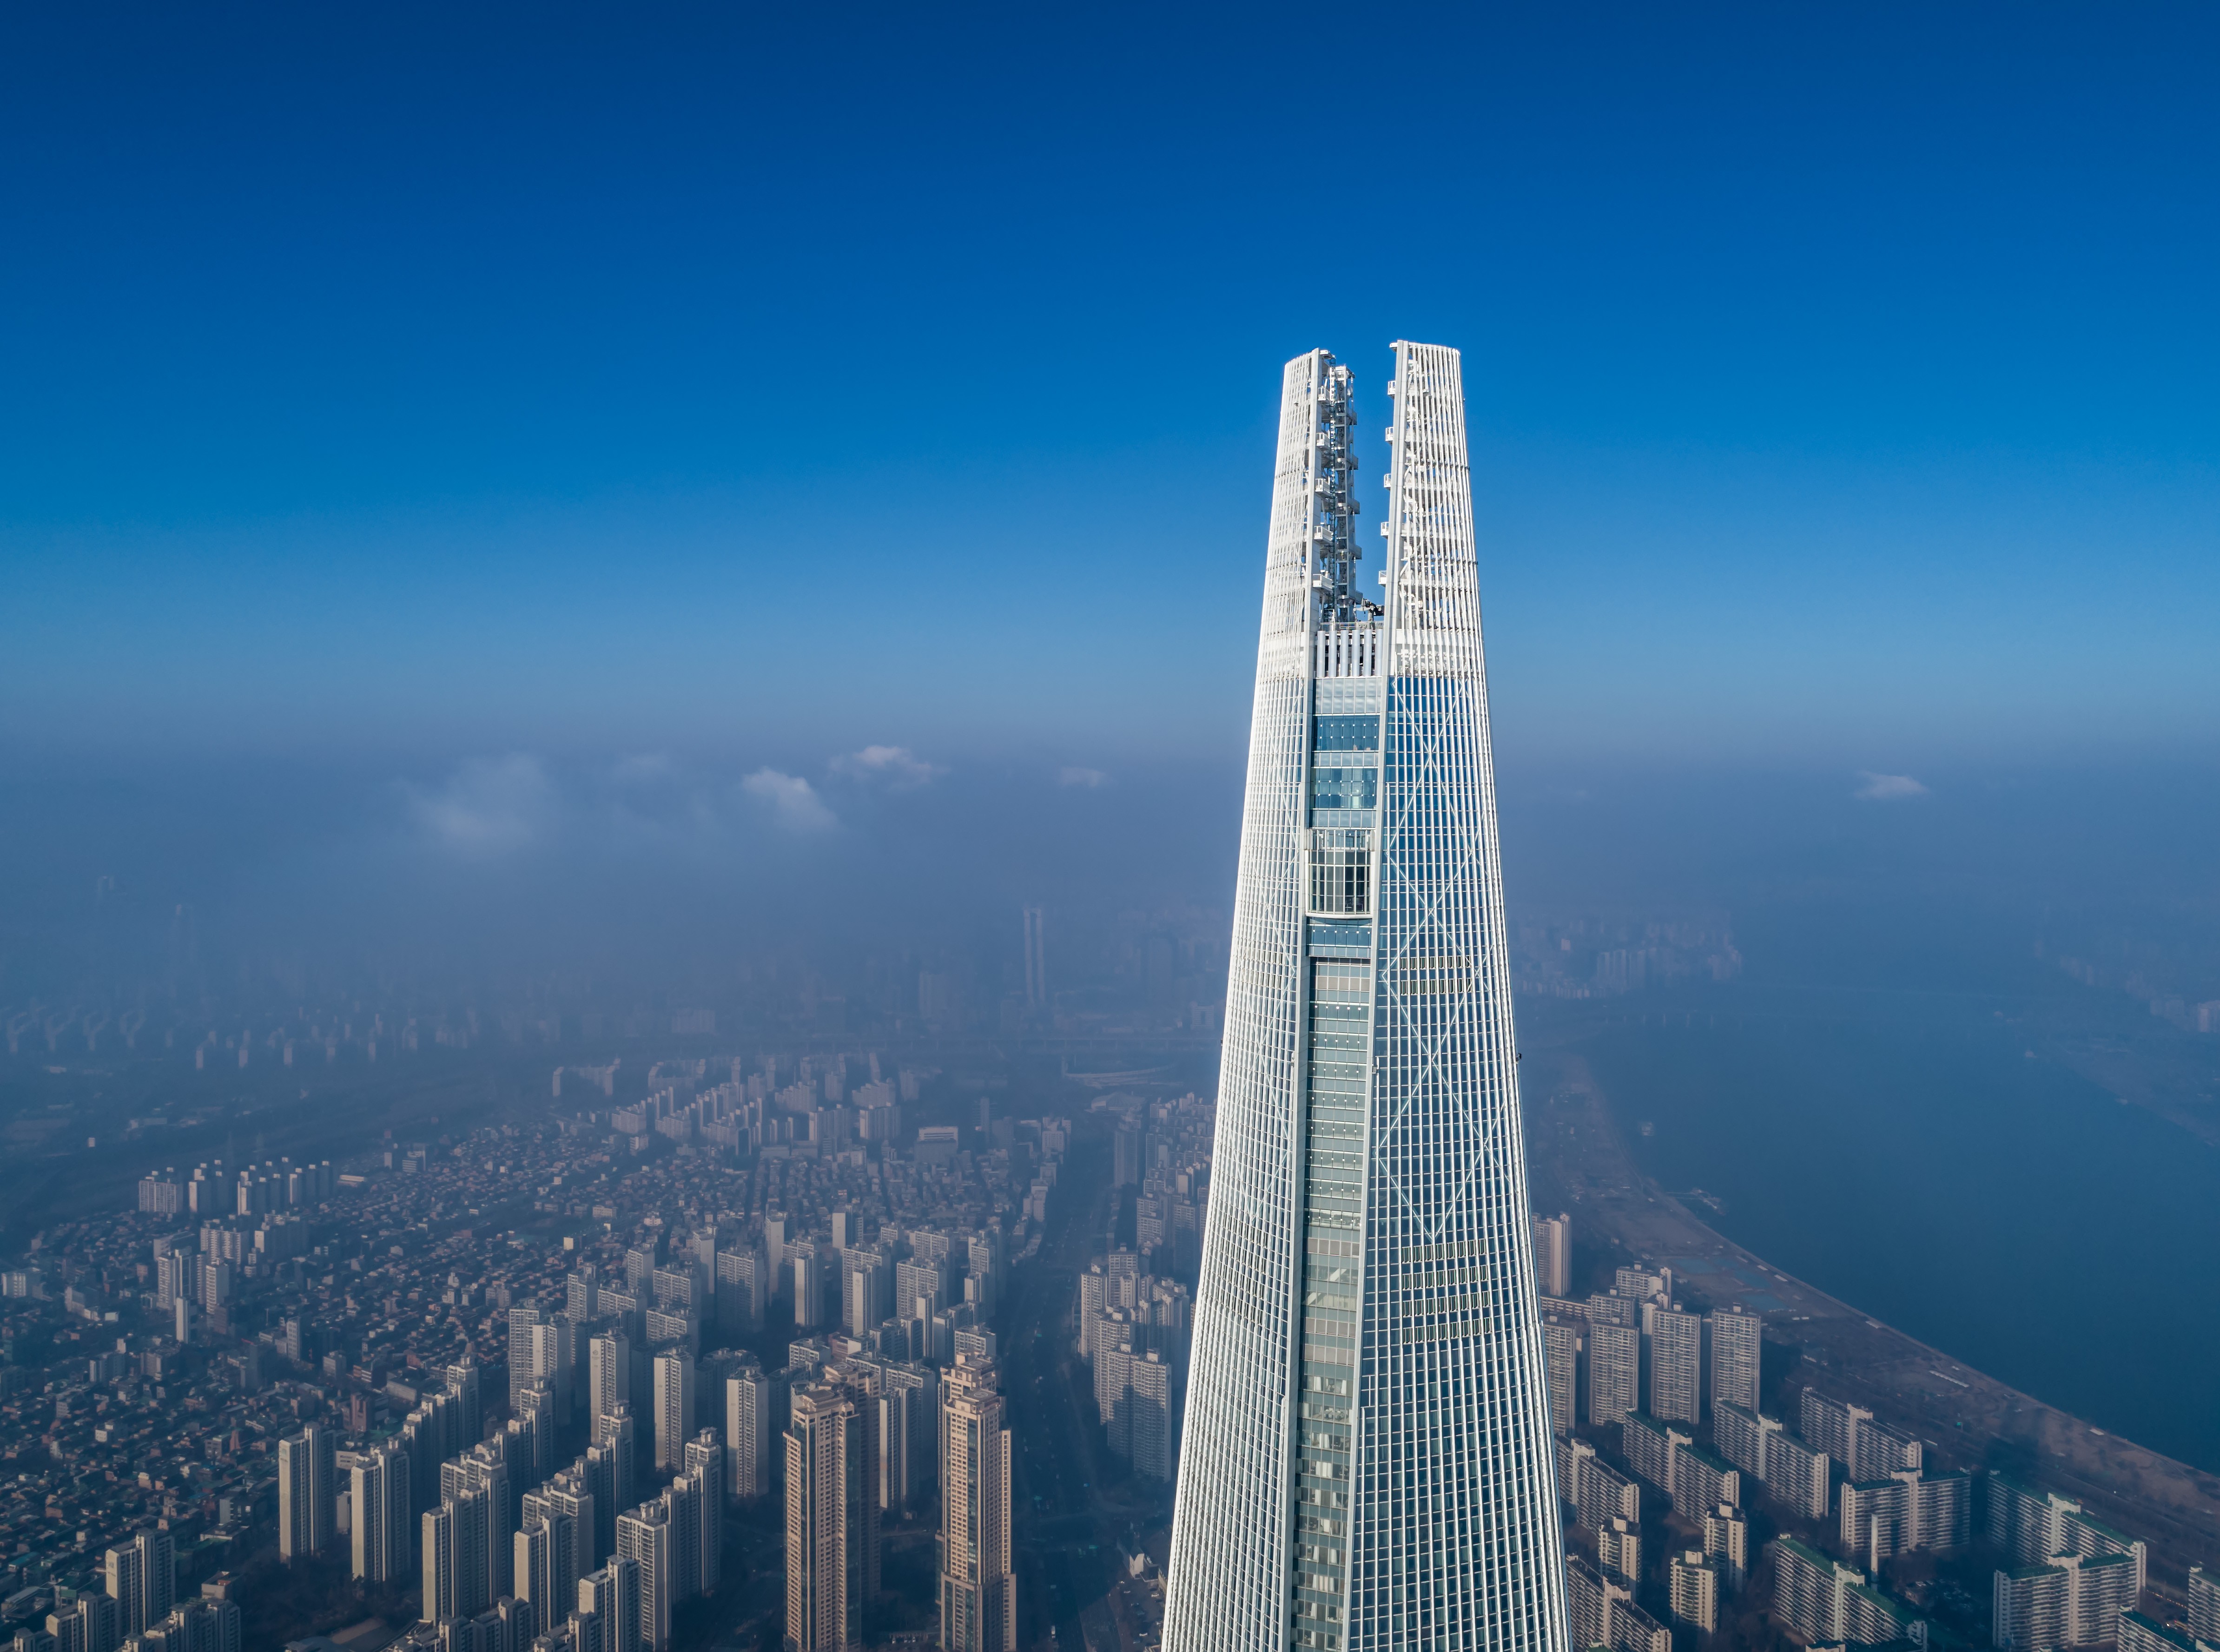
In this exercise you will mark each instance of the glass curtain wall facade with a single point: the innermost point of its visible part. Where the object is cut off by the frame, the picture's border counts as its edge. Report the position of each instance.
(1367, 1461)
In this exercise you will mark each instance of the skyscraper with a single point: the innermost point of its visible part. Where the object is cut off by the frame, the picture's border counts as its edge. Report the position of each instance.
(1553, 1254)
(644, 1538)
(681, 1503)
(2203, 1604)
(830, 1564)
(1561, 1335)
(1676, 1365)
(1367, 1460)
(752, 1416)
(483, 1470)
(620, 1433)
(1735, 1348)
(141, 1579)
(523, 1363)
(307, 1491)
(674, 1407)
(545, 1565)
(705, 1467)
(582, 1294)
(609, 1373)
(1696, 1585)
(383, 1531)
(598, 1470)
(535, 1424)
(978, 1594)
(461, 1382)
(453, 1552)
(1036, 960)
(92, 1622)
(612, 1595)
(1614, 1372)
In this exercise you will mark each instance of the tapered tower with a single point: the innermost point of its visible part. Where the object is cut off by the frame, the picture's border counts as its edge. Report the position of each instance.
(1368, 1449)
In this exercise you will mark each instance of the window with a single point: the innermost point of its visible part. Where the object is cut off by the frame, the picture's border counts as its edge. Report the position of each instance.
(1340, 873)
(1344, 788)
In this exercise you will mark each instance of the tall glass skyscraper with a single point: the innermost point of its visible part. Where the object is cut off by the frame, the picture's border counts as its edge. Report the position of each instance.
(1368, 1450)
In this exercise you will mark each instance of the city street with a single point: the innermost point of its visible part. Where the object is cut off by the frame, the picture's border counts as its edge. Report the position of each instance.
(1073, 1504)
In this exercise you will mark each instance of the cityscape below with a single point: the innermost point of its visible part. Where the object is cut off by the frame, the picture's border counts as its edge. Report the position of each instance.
(682, 1361)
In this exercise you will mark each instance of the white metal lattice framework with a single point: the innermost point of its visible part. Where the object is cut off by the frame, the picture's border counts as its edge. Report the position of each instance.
(1368, 1449)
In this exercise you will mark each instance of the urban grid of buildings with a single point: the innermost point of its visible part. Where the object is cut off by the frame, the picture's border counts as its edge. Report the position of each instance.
(1677, 1392)
(536, 1447)
(533, 1449)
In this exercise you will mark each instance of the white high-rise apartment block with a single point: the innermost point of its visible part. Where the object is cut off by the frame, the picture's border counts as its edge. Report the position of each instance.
(307, 1491)
(1676, 1365)
(1825, 1600)
(705, 1467)
(522, 1364)
(458, 1537)
(608, 1373)
(91, 1622)
(2203, 1604)
(743, 1289)
(866, 1284)
(644, 1538)
(462, 1386)
(1565, 1347)
(2070, 1601)
(978, 1591)
(142, 1580)
(1726, 1540)
(1614, 1372)
(485, 1471)
(1848, 1433)
(1735, 1343)
(1910, 1509)
(567, 1494)
(1367, 1455)
(619, 1433)
(611, 1597)
(751, 1422)
(831, 1539)
(1695, 1588)
(674, 1407)
(382, 1530)
(545, 1565)
(1553, 1254)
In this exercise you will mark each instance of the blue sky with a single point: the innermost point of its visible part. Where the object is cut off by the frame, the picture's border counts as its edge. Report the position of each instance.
(425, 388)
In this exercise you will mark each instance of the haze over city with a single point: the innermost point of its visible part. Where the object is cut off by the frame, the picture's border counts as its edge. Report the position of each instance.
(630, 639)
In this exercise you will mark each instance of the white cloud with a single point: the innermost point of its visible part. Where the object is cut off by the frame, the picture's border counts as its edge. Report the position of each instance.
(793, 800)
(897, 765)
(1090, 778)
(1886, 788)
(488, 805)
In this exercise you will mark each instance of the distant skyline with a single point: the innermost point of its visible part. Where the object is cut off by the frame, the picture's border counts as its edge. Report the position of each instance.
(422, 392)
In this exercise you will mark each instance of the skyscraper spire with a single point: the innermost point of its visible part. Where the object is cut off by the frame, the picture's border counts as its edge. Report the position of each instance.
(1367, 1455)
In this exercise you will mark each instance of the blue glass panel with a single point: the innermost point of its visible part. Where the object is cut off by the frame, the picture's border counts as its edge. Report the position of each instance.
(1344, 788)
(1346, 734)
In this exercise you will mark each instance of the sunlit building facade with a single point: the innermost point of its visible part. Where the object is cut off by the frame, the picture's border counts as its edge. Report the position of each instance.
(1367, 1455)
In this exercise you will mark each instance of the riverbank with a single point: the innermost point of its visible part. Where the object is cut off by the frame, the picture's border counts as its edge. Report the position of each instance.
(1579, 1161)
